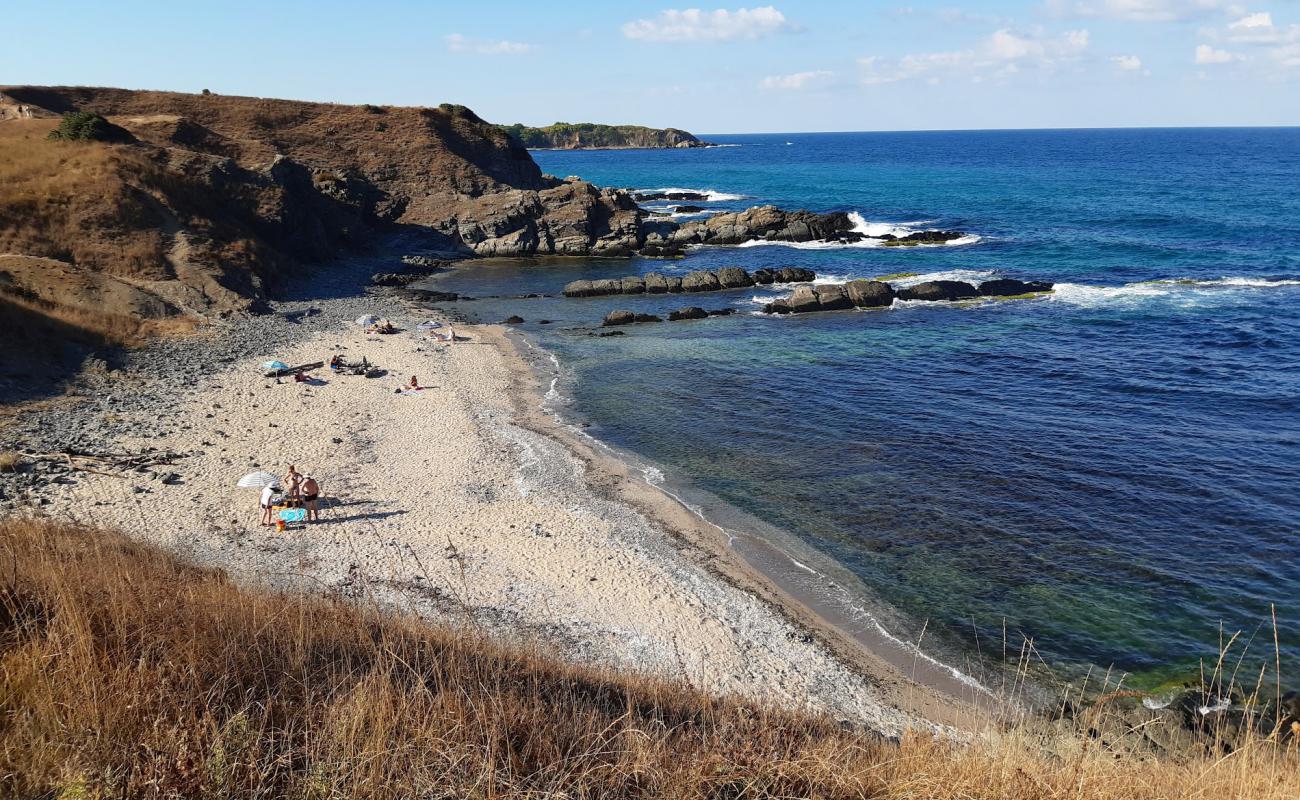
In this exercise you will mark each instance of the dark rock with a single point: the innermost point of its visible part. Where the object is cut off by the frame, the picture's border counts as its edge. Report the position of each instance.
(700, 281)
(688, 209)
(512, 320)
(722, 312)
(763, 276)
(921, 237)
(619, 318)
(646, 197)
(795, 275)
(578, 289)
(432, 296)
(778, 306)
(674, 284)
(939, 290)
(543, 322)
(603, 334)
(647, 318)
(846, 237)
(832, 297)
(803, 300)
(663, 250)
(1007, 287)
(869, 294)
(767, 223)
(690, 312)
(733, 278)
(606, 286)
(655, 283)
(633, 284)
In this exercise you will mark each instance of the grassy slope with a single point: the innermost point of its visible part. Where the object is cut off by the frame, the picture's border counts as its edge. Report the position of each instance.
(124, 673)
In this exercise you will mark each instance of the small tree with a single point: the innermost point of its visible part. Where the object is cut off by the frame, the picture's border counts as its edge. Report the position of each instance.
(83, 126)
(207, 92)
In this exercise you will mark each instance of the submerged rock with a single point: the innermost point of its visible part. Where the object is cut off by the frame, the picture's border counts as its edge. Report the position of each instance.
(619, 318)
(690, 312)
(513, 319)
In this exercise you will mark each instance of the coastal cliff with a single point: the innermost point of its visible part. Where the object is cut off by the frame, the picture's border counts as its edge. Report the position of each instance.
(205, 205)
(592, 136)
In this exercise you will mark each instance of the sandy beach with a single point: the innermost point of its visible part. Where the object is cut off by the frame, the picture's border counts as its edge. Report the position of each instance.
(465, 502)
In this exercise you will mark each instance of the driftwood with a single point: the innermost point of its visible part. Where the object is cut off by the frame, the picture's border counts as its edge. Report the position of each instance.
(281, 373)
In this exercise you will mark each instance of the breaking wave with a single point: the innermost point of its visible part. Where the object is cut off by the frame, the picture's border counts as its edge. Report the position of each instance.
(710, 195)
(863, 226)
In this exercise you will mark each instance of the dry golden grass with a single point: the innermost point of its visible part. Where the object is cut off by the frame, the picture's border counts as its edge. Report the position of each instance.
(10, 461)
(124, 673)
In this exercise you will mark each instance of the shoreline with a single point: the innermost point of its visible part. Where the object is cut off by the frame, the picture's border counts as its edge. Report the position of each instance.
(735, 644)
(766, 568)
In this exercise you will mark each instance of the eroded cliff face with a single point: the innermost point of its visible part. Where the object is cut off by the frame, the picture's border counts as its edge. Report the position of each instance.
(223, 194)
(208, 205)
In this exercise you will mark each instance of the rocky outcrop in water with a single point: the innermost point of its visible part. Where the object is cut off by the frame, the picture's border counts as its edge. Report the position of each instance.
(696, 281)
(877, 294)
(939, 290)
(765, 223)
(1009, 287)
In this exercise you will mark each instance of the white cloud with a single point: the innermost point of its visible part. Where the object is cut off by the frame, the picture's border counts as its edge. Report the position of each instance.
(1139, 10)
(1127, 63)
(1002, 54)
(1259, 29)
(457, 43)
(1261, 20)
(797, 80)
(1210, 55)
(694, 25)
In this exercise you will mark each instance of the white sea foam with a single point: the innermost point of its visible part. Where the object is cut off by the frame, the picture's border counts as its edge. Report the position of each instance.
(1182, 290)
(710, 195)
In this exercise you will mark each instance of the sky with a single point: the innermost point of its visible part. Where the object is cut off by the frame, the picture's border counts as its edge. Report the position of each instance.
(783, 67)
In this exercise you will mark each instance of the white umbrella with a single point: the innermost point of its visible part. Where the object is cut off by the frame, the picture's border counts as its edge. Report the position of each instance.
(276, 365)
(258, 480)
(367, 319)
(429, 324)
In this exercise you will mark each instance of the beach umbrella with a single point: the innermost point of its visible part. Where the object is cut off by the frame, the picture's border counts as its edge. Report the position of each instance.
(429, 324)
(277, 365)
(258, 480)
(367, 319)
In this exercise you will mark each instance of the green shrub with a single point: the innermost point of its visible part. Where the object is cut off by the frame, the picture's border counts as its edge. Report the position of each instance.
(83, 126)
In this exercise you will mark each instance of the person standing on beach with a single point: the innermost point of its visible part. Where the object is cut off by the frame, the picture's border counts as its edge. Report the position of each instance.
(294, 482)
(310, 498)
(266, 501)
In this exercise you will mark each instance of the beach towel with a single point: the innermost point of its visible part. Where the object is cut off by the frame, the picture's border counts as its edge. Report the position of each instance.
(293, 515)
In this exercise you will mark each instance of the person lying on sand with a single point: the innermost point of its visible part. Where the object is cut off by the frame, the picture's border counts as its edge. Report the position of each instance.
(299, 377)
(336, 361)
(310, 498)
(449, 337)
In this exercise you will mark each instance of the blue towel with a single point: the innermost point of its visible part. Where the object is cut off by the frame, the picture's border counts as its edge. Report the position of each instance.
(293, 515)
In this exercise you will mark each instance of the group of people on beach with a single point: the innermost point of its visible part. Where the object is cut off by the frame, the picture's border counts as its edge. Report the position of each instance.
(295, 490)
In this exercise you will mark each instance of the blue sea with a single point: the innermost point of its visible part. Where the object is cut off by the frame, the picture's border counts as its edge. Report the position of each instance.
(1111, 472)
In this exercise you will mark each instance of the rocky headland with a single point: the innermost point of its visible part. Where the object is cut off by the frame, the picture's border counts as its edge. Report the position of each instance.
(593, 136)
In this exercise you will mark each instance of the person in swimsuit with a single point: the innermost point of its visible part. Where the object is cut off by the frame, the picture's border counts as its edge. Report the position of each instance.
(293, 481)
(414, 385)
(310, 496)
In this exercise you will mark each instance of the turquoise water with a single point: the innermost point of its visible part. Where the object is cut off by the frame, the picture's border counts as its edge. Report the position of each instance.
(1111, 471)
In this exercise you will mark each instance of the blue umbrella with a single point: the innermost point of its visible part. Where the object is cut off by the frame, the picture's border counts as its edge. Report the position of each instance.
(276, 365)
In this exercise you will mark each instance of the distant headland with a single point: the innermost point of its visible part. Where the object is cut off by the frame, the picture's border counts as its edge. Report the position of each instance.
(593, 136)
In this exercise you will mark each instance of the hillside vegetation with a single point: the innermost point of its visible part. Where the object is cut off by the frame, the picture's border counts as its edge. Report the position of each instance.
(125, 673)
(583, 135)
